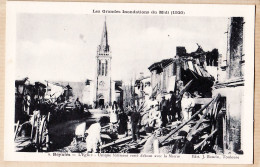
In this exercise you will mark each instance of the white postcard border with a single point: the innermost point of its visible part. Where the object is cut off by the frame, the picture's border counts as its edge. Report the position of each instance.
(246, 11)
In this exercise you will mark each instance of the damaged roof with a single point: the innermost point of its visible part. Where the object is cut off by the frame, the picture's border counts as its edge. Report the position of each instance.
(161, 64)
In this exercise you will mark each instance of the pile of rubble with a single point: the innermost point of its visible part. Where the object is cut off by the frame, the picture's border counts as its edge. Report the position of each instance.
(202, 130)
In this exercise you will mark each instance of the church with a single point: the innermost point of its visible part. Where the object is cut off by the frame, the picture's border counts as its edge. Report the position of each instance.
(106, 90)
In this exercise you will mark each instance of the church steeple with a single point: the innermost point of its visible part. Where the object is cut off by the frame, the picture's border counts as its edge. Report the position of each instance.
(104, 39)
(103, 74)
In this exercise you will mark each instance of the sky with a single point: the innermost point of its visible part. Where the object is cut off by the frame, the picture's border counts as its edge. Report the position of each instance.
(64, 46)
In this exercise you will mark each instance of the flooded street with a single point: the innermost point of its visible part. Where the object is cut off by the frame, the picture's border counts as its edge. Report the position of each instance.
(62, 134)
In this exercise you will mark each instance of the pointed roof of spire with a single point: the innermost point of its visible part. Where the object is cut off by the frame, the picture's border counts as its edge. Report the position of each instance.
(104, 39)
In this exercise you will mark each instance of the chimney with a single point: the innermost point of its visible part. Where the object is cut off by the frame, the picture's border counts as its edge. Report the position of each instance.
(180, 51)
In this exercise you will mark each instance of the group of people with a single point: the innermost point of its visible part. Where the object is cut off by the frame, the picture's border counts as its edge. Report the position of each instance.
(120, 120)
(178, 107)
(125, 121)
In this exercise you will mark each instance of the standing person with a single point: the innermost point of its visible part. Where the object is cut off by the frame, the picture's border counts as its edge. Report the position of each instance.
(78, 105)
(192, 104)
(187, 103)
(169, 114)
(135, 120)
(94, 135)
(122, 128)
(163, 108)
(129, 113)
(185, 106)
(172, 111)
(113, 114)
(177, 106)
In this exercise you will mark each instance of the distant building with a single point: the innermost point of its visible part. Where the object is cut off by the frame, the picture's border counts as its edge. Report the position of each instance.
(142, 89)
(163, 76)
(54, 91)
(106, 90)
(117, 92)
(128, 94)
(88, 93)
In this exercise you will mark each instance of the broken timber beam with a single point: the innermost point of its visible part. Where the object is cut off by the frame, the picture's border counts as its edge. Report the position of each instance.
(183, 124)
(106, 126)
(116, 142)
(201, 100)
(193, 130)
(185, 87)
(141, 107)
(200, 144)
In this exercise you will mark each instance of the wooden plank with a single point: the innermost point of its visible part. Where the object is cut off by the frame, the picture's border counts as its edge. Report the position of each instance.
(202, 119)
(140, 107)
(185, 87)
(200, 144)
(201, 100)
(184, 90)
(106, 126)
(116, 142)
(193, 116)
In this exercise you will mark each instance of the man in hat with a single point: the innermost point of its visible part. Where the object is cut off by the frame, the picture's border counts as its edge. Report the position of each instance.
(175, 105)
(123, 119)
(136, 121)
(163, 108)
(178, 104)
(172, 111)
(183, 145)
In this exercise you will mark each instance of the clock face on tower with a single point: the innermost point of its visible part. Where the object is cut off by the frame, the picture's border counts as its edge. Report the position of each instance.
(101, 83)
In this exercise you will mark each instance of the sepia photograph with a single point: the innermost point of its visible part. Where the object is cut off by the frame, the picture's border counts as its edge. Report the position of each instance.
(125, 82)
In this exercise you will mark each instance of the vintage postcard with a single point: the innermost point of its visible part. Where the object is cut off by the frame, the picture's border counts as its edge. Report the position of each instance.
(118, 82)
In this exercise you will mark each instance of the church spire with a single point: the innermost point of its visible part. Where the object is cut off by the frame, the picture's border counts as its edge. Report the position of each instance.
(104, 39)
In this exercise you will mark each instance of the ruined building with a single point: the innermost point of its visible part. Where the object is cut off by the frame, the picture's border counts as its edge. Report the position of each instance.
(174, 73)
(142, 89)
(230, 84)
